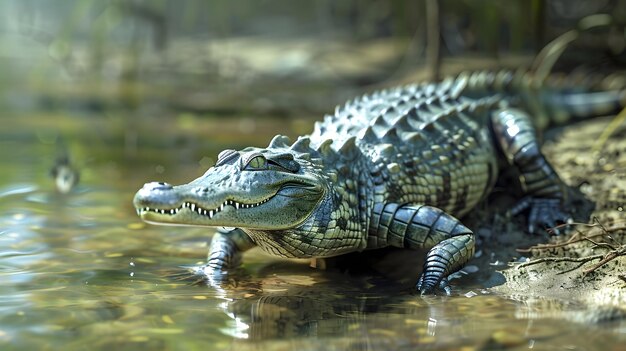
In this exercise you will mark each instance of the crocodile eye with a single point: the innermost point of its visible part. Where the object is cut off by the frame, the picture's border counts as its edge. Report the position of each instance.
(257, 163)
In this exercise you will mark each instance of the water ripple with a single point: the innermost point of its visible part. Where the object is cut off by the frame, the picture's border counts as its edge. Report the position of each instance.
(15, 189)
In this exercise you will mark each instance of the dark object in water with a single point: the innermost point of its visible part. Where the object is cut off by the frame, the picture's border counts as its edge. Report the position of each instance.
(65, 176)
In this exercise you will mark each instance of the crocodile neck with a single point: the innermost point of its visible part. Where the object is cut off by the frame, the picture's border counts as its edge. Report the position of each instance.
(338, 225)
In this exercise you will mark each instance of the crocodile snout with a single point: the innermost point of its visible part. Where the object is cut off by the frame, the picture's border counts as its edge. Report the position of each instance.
(157, 186)
(156, 194)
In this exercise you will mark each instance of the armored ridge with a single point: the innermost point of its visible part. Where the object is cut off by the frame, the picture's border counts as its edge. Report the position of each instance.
(394, 168)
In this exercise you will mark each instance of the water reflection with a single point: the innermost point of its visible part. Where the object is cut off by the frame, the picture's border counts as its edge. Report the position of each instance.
(295, 306)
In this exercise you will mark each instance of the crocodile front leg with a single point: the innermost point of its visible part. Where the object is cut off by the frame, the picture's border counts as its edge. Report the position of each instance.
(225, 253)
(451, 244)
(544, 189)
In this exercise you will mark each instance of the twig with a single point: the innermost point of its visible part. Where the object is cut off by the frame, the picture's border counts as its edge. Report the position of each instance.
(597, 244)
(611, 255)
(571, 269)
(560, 259)
(575, 238)
(604, 259)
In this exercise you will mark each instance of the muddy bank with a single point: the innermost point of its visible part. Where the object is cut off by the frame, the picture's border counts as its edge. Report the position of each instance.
(588, 264)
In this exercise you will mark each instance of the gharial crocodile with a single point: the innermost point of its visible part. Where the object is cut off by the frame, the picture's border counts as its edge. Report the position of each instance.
(393, 168)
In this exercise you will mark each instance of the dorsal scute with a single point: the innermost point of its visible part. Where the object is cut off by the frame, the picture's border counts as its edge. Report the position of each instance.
(459, 85)
(348, 148)
(481, 80)
(415, 111)
(390, 113)
(402, 105)
(325, 149)
(338, 110)
(328, 119)
(430, 89)
(391, 136)
(445, 86)
(428, 127)
(279, 141)
(502, 80)
(402, 122)
(319, 128)
(367, 135)
(445, 115)
(379, 121)
(302, 145)
(434, 105)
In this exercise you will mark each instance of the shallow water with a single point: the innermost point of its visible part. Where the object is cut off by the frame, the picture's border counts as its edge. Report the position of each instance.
(81, 271)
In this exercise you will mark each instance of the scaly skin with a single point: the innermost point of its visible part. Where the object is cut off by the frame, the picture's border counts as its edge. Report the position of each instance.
(395, 168)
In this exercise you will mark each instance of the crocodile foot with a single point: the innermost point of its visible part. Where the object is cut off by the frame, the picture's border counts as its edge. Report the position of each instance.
(428, 288)
(448, 256)
(543, 213)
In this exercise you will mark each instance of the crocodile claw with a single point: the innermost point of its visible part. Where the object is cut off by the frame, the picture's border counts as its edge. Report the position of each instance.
(427, 288)
(543, 213)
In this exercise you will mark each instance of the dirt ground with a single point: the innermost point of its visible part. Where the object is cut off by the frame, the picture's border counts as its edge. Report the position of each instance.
(589, 263)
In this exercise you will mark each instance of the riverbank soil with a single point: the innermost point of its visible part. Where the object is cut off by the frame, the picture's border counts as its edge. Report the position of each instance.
(589, 263)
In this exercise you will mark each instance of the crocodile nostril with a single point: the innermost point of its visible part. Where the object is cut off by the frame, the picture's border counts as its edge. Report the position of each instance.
(157, 186)
(203, 190)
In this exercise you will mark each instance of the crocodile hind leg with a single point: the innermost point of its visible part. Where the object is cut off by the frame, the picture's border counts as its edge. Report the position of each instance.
(451, 244)
(225, 253)
(544, 190)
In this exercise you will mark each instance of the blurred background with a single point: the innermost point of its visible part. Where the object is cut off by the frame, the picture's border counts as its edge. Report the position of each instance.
(93, 77)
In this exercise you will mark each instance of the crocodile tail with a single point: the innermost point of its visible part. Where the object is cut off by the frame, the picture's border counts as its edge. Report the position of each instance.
(554, 100)
(570, 106)
(560, 99)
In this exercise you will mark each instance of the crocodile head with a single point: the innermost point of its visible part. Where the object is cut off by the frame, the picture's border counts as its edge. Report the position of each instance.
(256, 189)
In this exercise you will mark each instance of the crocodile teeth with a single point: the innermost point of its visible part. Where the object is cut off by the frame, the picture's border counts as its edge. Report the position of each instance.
(202, 211)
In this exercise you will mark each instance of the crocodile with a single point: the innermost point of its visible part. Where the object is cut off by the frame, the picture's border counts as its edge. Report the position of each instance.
(394, 168)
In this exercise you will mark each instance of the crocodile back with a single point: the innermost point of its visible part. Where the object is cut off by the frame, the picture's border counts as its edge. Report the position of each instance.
(421, 143)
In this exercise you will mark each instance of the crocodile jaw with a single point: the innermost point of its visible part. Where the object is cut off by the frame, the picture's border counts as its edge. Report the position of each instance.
(285, 207)
(189, 210)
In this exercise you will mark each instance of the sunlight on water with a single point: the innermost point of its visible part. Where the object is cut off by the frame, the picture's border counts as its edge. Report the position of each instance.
(17, 189)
